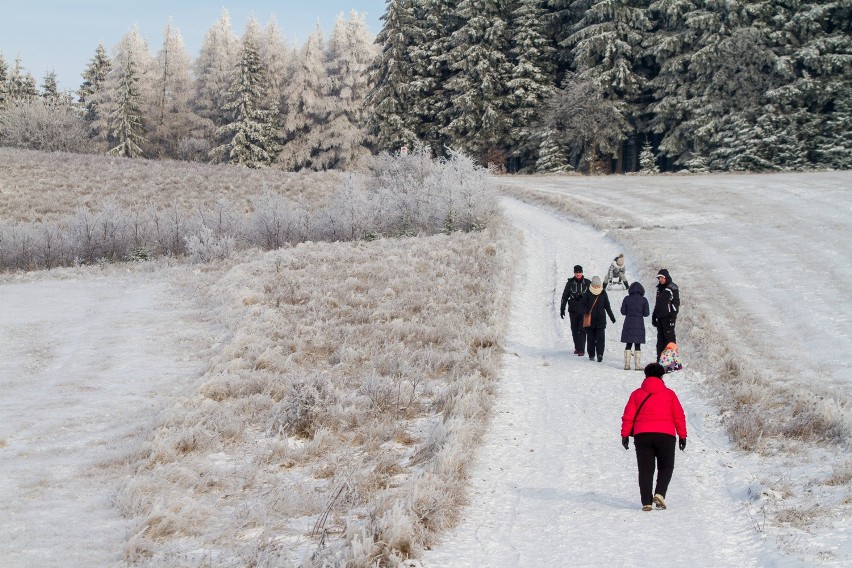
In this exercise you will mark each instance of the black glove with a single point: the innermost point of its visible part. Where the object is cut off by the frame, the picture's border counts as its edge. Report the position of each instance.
(613, 320)
(681, 444)
(625, 441)
(654, 322)
(562, 315)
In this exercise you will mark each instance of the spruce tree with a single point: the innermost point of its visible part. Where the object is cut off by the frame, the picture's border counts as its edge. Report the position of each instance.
(647, 160)
(249, 138)
(22, 85)
(478, 122)
(4, 82)
(94, 79)
(49, 87)
(609, 49)
(532, 79)
(394, 98)
(127, 131)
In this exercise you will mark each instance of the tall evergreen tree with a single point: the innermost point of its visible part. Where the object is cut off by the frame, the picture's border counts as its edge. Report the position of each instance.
(125, 93)
(394, 99)
(22, 85)
(171, 120)
(213, 74)
(440, 20)
(277, 57)
(342, 141)
(4, 82)
(532, 78)
(305, 105)
(94, 79)
(478, 122)
(49, 87)
(608, 48)
(249, 138)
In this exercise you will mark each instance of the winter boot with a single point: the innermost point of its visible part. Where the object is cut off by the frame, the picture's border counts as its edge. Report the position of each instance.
(637, 360)
(627, 355)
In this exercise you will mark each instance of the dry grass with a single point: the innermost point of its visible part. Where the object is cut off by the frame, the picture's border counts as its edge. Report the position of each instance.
(356, 380)
(38, 186)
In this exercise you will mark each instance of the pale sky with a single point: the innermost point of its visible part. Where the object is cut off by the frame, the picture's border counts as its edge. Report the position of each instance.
(62, 35)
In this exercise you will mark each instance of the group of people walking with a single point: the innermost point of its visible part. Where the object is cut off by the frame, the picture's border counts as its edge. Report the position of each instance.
(653, 415)
(588, 307)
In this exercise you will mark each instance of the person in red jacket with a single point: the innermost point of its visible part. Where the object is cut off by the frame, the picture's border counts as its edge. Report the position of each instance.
(653, 415)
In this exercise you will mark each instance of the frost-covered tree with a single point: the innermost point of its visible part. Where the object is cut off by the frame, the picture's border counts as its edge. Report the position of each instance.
(647, 160)
(552, 153)
(49, 86)
(21, 83)
(94, 79)
(609, 49)
(478, 121)
(590, 125)
(811, 104)
(125, 93)
(305, 105)
(4, 82)
(394, 98)
(248, 139)
(713, 65)
(171, 119)
(213, 74)
(277, 57)
(342, 141)
(440, 20)
(532, 78)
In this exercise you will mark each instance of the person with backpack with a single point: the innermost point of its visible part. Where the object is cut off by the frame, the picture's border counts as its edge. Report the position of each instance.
(634, 308)
(595, 309)
(653, 416)
(666, 309)
(575, 290)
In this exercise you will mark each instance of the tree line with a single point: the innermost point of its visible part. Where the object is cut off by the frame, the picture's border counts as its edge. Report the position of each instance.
(527, 85)
(551, 85)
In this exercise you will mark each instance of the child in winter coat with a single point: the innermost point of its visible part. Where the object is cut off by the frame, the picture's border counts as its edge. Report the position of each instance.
(669, 358)
(617, 271)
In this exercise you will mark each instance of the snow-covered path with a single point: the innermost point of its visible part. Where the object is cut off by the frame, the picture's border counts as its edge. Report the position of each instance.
(552, 485)
(84, 367)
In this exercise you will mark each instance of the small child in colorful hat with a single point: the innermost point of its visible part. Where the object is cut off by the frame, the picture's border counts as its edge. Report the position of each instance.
(669, 358)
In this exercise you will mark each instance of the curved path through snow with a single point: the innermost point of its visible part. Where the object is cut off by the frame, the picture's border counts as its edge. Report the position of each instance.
(552, 485)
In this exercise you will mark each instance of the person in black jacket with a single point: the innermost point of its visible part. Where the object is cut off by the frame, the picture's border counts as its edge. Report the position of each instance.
(666, 309)
(596, 303)
(575, 290)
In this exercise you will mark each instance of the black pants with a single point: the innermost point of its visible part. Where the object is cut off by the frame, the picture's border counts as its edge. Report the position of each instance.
(595, 338)
(665, 335)
(654, 450)
(578, 332)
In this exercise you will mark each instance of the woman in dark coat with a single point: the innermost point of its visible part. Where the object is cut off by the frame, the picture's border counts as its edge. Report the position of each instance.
(596, 302)
(634, 308)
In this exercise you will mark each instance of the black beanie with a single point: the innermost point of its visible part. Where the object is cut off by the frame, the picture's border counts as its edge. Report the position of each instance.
(578, 268)
(654, 370)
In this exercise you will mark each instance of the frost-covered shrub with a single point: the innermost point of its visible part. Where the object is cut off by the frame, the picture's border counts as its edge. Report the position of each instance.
(207, 245)
(46, 125)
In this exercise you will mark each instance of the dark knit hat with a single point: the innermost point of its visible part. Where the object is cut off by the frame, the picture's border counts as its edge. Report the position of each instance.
(578, 268)
(654, 370)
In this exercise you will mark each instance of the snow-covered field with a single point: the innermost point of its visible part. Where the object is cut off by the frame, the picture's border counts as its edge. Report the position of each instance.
(766, 258)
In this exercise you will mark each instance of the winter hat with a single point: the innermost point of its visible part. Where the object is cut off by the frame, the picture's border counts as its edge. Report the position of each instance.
(672, 346)
(596, 282)
(578, 268)
(665, 274)
(654, 370)
(619, 260)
